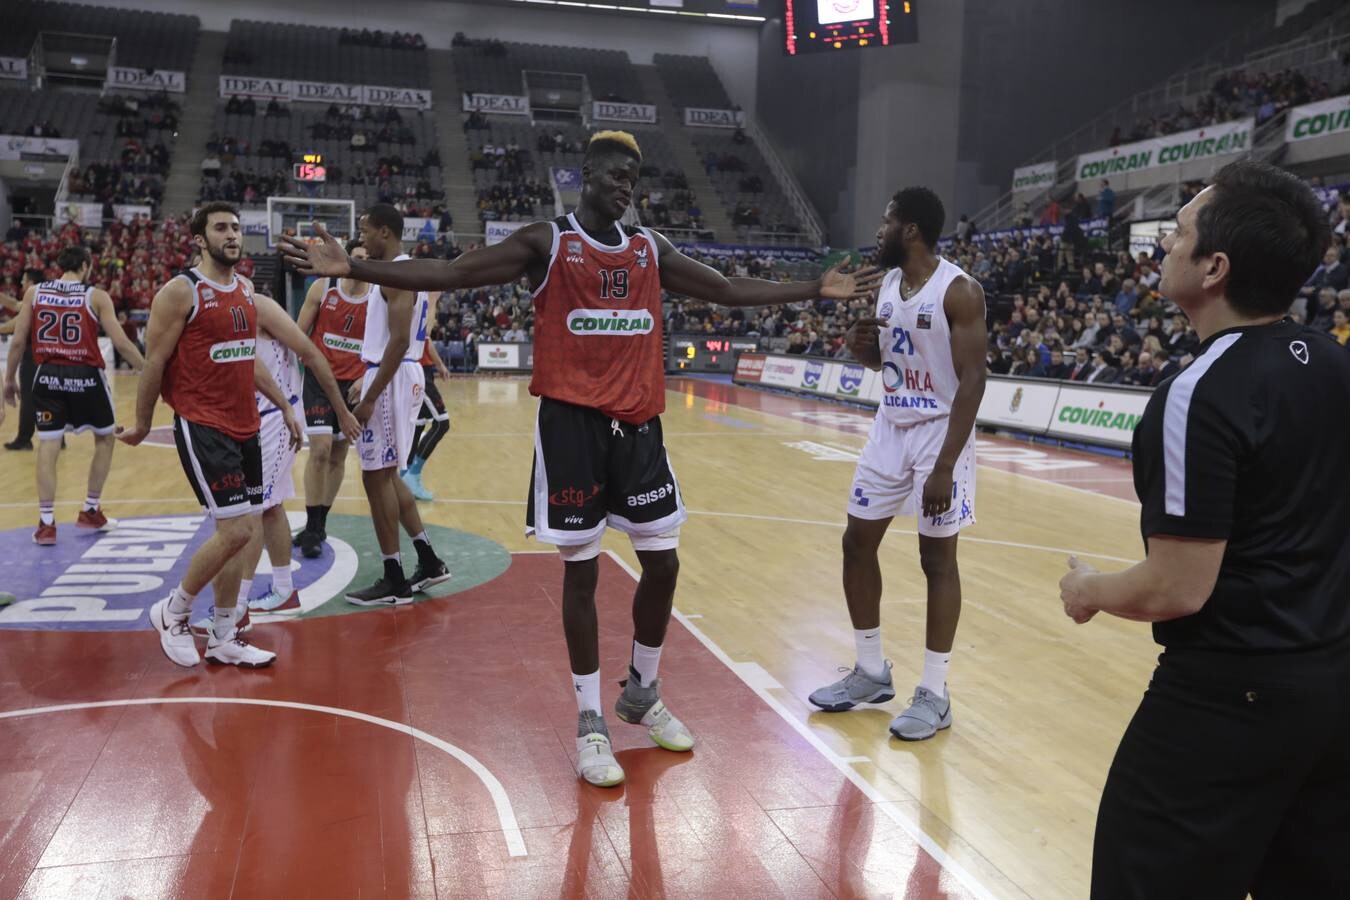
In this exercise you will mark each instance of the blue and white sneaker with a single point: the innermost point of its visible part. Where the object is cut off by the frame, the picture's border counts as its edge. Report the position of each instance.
(202, 627)
(274, 603)
(414, 482)
(926, 716)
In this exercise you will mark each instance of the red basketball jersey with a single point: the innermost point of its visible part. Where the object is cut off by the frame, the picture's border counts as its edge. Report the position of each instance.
(338, 333)
(64, 329)
(209, 378)
(597, 325)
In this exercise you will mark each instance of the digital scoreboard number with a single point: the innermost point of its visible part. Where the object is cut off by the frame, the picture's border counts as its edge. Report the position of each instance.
(312, 169)
(821, 26)
(699, 353)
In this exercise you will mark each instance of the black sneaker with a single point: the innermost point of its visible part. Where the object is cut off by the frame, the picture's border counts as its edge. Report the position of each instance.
(382, 593)
(299, 537)
(428, 573)
(311, 544)
(19, 445)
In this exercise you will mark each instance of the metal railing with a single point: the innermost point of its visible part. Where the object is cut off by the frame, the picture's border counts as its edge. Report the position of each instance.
(796, 197)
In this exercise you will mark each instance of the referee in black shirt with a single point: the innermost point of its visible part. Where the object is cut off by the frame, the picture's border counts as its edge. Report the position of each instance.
(1234, 775)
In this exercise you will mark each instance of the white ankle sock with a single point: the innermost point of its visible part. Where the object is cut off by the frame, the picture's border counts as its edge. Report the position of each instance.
(245, 588)
(868, 644)
(180, 602)
(588, 691)
(223, 626)
(935, 671)
(47, 513)
(645, 660)
(282, 581)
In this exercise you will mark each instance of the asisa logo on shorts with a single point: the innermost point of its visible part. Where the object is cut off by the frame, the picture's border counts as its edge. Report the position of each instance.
(609, 321)
(233, 351)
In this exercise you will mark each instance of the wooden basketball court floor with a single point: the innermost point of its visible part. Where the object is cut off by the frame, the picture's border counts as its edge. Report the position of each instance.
(427, 751)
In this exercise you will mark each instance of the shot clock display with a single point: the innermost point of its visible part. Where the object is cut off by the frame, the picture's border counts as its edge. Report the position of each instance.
(701, 353)
(312, 169)
(818, 26)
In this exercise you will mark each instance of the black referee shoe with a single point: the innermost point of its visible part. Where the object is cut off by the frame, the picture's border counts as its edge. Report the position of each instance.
(19, 445)
(382, 593)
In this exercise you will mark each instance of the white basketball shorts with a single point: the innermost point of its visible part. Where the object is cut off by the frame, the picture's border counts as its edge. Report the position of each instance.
(894, 467)
(387, 437)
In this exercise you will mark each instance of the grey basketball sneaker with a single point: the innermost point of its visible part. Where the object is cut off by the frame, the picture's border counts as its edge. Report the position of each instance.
(640, 705)
(854, 688)
(927, 715)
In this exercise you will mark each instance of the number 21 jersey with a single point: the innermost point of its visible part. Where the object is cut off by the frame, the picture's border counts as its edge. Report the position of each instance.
(597, 324)
(918, 377)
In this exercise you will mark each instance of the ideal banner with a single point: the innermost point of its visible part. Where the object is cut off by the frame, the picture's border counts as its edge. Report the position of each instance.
(17, 146)
(1028, 179)
(1104, 415)
(323, 92)
(713, 118)
(496, 232)
(121, 78)
(500, 104)
(607, 111)
(1321, 119)
(1170, 150)
(13, 67)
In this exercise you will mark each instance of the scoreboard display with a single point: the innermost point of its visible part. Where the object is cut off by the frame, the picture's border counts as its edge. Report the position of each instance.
(703, 353)
(311, 169)
(822, 26)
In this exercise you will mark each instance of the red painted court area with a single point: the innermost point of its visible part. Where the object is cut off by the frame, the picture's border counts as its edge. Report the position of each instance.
(215, 783)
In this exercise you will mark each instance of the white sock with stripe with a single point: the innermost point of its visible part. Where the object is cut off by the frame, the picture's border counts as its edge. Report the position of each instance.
(587, 689)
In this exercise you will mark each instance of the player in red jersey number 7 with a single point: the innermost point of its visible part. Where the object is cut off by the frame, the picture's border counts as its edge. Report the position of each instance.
(599, 372)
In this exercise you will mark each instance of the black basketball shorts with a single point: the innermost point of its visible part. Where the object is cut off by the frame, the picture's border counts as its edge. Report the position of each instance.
(320, 417)
(72, 398)
(433, 404)
(225, 474)
(591, 471)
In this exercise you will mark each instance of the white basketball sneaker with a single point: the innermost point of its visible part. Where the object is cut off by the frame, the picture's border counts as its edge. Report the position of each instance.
(175, 638)
(235, 651)
(595, 758)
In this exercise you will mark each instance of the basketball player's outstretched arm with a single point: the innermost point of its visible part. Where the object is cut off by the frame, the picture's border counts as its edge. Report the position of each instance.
(274, 320)
(526, 252)
(168, 315)
(268, 387)
(107, 317)
(964, 304)
(683, 275)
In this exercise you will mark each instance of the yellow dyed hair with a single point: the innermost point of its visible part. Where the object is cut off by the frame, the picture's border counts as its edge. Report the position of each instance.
(615, 140)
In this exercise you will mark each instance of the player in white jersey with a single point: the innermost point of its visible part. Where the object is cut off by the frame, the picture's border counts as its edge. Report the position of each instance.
(387, 401)
(279, 388)
(928, 340)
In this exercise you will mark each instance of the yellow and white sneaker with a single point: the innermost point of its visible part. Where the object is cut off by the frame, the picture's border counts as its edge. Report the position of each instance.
(595, 758)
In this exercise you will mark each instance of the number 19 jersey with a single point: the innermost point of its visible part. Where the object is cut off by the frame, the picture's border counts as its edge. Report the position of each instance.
(597, 324)
(918, 377)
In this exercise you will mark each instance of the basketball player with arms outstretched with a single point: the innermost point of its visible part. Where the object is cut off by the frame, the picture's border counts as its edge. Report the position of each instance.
(201, 350)
(928, 341)
(334, 316)
(599, 372)
(58, 323)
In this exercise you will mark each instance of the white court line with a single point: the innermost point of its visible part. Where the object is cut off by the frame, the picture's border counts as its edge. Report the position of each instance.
(721, 515)
(515, 841)
(843, 764)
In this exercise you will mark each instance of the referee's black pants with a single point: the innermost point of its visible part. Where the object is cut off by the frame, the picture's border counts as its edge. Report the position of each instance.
(1233, 777)
(27, 412)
